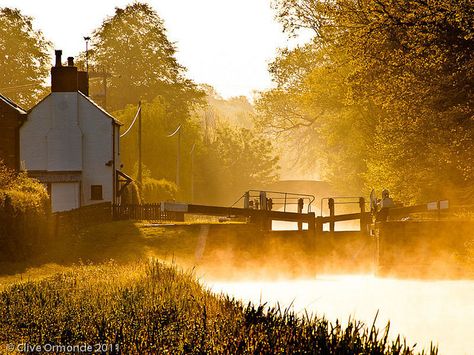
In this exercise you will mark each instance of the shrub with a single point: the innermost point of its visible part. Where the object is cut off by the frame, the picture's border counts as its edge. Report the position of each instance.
(154, 190)
(21, 193)
(131, 195)
(24, 212)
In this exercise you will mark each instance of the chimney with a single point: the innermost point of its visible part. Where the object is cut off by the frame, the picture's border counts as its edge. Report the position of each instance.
(58, 58)
(83, 82)
(63, 79)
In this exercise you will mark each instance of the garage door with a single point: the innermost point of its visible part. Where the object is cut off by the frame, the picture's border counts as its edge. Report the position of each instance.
(64, 196)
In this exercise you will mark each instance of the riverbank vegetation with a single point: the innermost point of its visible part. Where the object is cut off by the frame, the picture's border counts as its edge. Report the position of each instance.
(151, 307)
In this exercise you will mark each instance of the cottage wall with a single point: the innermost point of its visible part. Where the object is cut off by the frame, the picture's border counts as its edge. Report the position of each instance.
(97, 150)
(11, 117)
(68, 143)
(71, 144)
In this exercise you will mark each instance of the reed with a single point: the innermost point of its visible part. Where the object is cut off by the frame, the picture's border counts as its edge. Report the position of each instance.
(148, 307)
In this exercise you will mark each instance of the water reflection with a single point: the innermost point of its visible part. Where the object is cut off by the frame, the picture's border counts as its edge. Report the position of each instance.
(442, 311)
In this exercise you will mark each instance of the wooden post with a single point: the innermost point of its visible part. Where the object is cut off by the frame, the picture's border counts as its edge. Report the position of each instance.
(319, 224)
(139, 173)
(300, 210)
(312, 223)
(178, 160)
(331, 214)
(247, 200)
(363, 222)
(268, 223)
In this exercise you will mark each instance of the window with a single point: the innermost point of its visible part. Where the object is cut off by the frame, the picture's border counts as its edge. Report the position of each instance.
(96, 192)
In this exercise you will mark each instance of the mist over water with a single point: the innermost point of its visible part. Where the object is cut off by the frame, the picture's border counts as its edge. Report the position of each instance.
(421, 311)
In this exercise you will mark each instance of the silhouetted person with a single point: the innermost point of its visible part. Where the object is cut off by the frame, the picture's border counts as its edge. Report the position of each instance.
(384, 205)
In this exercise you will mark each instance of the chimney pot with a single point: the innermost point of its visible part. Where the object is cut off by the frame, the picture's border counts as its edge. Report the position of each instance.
(70, 61)
(58, 54)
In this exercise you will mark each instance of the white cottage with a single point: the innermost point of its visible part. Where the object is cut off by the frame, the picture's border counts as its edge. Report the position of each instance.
(71, 144)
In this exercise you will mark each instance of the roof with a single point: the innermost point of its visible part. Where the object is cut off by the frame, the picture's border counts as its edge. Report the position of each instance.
(12, 104)
(117, 122)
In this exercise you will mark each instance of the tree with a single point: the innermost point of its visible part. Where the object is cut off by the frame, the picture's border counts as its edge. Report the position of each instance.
(311, 113)
(236, 160)
(133, 49)
(159, 151)
(403, 93)
(219, 161)
(24, 58)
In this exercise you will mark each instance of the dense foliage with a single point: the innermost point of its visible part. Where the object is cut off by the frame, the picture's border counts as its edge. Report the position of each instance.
(20, 193)
(383, 94)
(139, 309)
(24, 58)
(236, 160)
(154, 190)
(134, 51)
(132, 47)
(24, 207)
(219, 158)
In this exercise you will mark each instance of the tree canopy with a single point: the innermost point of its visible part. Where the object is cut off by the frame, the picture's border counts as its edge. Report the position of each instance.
(384, 92)
(24, 58)
(220, 158)
(134, 51)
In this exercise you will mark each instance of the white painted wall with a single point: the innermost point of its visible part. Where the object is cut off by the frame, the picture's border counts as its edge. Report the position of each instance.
(33, 136)
(67, 132)
(97, 150)
(65, 136)
(50, 139)
(65, 196)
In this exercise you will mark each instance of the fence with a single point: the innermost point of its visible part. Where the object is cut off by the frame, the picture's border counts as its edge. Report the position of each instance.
(147, 212)
(27, 233)
(21, 232)
(76, 219)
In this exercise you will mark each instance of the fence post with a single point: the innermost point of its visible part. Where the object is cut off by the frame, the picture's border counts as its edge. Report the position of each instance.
(331, 214)
(363, 222)
(319, 224)
(247, 200)
(300, 210)
(312, 223)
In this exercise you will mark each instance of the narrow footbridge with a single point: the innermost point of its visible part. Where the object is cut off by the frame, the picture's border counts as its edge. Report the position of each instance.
(262, 208)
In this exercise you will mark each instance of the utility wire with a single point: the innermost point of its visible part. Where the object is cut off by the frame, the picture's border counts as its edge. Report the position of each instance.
(9, 88)
(133, 122)
(177, 130)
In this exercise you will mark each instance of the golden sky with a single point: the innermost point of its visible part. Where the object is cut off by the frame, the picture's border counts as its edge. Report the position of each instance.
(225, 43)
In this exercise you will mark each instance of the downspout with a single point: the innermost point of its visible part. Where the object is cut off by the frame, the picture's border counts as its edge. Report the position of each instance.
(22, 118)
(114, 173)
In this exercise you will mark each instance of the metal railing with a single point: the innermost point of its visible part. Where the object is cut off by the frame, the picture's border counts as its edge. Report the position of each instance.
(278, 198)
(341, 200)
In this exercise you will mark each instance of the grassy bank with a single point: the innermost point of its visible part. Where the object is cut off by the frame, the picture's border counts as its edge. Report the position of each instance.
(149, 307)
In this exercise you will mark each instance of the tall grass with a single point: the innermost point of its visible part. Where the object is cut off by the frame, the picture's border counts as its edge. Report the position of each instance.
(149, 307)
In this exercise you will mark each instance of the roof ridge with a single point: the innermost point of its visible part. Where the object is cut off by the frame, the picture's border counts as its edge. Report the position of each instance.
(100, 108)
(13, 104)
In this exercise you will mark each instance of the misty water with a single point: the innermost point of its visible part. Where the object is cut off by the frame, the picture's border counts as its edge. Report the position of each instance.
(420, 310)
(442, 311)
